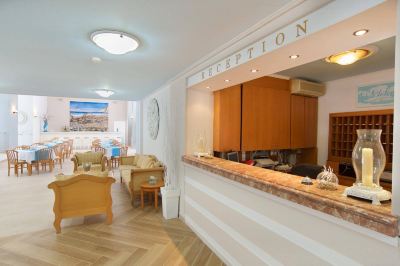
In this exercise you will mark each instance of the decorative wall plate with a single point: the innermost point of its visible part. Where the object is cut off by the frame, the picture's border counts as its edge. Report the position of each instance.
(153, 118)
(22, 117)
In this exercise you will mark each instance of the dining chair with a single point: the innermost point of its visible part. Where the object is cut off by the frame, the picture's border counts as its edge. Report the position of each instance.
(71, 147)
(65, 150)
(115, 142)
(100, 149)
(45, 158)
(13, 162)
(59, 153)
(95, 143)
(22, 147)
(116, 160)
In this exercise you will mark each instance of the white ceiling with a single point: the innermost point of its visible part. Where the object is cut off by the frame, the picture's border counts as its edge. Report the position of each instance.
(45, 47)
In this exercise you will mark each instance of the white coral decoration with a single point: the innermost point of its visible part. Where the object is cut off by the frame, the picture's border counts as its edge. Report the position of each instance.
(327, 179)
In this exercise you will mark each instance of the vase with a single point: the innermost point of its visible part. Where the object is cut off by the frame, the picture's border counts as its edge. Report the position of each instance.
(368, 158)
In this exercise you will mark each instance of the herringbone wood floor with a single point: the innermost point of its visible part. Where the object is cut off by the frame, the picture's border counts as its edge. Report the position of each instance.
(136, 237)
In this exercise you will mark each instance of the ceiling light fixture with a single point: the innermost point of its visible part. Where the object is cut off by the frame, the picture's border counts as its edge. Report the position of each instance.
(254, 70)
(294, 56)
(227, 80)
(115, 42)
(348, 57)
(360, 32)
(96, 59)
(208, 87)
(104, 93)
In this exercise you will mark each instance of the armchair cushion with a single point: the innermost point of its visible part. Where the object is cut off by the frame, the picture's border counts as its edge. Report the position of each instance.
(89, 157)
(129, 160)
(94, 167)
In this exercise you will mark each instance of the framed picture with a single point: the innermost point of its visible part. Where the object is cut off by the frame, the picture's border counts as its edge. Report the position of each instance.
(88, 116)
(381, 94)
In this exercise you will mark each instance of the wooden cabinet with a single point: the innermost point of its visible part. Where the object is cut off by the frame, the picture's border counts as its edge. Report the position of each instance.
(265, 114)
(227, 119)
(303, 122)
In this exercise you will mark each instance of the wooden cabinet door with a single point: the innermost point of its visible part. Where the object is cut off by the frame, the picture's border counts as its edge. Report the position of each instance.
(297, 122)
(227, 119)
(311, 121)
(303, 122)
(265, 114)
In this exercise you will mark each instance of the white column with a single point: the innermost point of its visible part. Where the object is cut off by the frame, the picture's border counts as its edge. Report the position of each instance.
(396, 125)
(139, 127)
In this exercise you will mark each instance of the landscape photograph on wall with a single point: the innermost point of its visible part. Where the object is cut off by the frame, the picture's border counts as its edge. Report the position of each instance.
(88, 116)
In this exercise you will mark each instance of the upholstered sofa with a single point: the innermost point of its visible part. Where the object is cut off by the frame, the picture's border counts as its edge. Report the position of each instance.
(97, 159)
(135, 170)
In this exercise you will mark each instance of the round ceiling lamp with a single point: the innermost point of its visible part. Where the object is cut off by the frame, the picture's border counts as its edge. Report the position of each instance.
(349, 57)
(115, 42)
(104, 93)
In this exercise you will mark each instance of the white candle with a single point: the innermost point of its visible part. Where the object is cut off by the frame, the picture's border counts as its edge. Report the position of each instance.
(367, 166)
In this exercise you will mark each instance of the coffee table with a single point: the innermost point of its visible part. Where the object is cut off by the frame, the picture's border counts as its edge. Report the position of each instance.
(151, 188)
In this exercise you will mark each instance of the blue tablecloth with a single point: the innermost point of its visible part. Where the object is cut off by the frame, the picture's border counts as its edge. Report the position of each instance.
(112, 150)
(51, 144)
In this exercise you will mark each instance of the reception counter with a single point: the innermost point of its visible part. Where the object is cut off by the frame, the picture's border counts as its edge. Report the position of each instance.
(262, 214)
(82, 139)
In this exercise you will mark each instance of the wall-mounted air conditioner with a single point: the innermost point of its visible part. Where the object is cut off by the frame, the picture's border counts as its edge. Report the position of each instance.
(307, 88)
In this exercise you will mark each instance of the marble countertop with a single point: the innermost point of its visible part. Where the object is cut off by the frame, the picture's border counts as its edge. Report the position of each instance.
(289, 187)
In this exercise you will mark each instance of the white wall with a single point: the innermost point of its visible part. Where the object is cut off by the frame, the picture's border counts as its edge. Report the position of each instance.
(341, 97)
(58, 111)
(32, 108)
(8, 122)
(170, 143)
(200, 112)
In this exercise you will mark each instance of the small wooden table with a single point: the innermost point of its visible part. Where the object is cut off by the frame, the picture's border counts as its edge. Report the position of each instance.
(146, 187)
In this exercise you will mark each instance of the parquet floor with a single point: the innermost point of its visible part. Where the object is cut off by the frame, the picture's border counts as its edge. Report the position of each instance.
(136, 237)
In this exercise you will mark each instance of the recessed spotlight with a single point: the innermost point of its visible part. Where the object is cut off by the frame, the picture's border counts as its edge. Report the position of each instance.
(115, 42)
(254, 70)
(294, 56)
(360, 32)
(96, 59)
(227, 80)
(208, 87)
(104, 93)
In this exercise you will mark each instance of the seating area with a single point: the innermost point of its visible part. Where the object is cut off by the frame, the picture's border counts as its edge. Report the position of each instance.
(136, 170)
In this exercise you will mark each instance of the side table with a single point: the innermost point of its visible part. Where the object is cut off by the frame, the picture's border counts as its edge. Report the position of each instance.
(152, 188)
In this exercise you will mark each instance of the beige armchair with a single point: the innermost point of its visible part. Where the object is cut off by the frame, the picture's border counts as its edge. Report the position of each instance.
(97, 159)
(135, 170)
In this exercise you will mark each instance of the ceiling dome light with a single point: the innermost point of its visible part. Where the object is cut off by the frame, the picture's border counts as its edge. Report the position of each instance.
(254, 70)
(96, 59)
(104, 93)
(348, 57)
(360, 32)
(227, 80)
(115, 42)
(294, 56)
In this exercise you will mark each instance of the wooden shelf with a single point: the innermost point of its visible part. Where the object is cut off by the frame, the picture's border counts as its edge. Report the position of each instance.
(343, 133)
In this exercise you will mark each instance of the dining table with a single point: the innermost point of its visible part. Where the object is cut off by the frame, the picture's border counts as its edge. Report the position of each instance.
(32, 155)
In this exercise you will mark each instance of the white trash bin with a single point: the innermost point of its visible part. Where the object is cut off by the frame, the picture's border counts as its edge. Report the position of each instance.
(170, 203)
